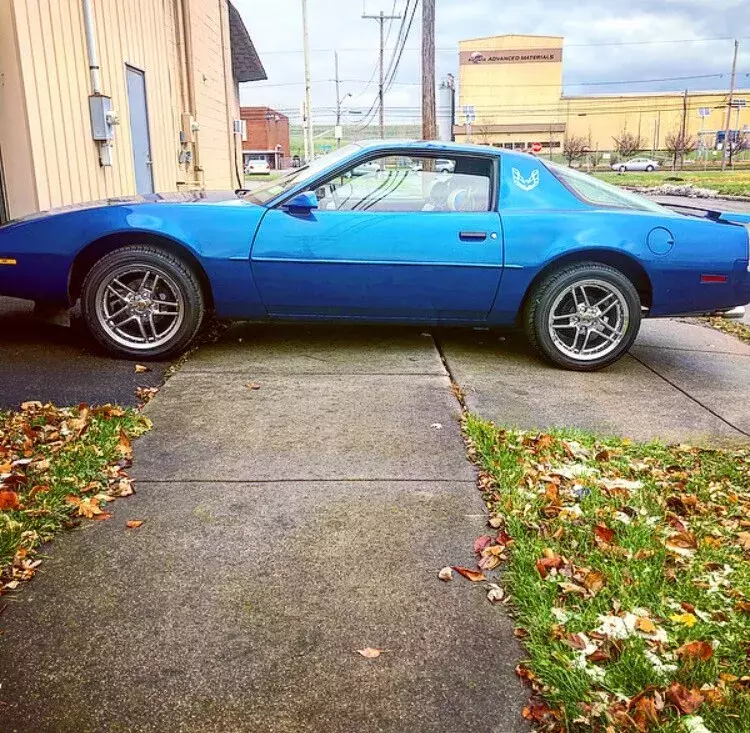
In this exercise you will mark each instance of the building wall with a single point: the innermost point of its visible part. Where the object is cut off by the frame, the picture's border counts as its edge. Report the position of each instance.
(49, 156)
(266, 128)
(519, 101)
(15, 141)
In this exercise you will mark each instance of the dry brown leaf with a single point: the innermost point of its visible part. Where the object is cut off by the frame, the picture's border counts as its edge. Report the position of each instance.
(696, 650)
(141, 369)
(594, 581)
(604, 534)
(480, 543)
(473, 575)
(686, 701)
(744, 540)
(252, 385)
(124, 448)
(134, 523)
(370, 653)
(8, 500)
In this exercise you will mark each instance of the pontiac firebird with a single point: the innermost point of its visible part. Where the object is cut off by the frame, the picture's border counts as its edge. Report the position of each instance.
(380, 232)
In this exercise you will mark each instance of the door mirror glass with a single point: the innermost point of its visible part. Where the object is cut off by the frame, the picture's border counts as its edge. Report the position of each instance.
(305, 201)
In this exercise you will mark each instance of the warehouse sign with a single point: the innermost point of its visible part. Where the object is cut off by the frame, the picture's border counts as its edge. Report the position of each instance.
(522, 56)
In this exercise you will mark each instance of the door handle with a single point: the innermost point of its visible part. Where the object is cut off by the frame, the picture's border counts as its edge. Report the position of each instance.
(472, 236)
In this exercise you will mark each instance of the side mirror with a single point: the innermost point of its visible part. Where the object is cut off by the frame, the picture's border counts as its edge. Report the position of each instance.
(302, 203)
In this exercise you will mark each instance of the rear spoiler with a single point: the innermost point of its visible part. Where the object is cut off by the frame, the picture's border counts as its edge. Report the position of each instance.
(735, 217)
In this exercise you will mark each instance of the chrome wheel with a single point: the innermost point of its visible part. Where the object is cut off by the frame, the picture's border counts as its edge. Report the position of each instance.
(588, 319)
(139, 306)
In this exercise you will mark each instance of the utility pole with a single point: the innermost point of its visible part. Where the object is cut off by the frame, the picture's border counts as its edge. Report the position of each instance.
(428, 71)
(726, 148)
(683, 134)
(381, 17)
(307, 117)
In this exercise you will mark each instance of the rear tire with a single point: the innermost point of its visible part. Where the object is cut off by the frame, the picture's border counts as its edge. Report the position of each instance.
(622, 169)
(649, 168)
(583, 317)
(142, 303)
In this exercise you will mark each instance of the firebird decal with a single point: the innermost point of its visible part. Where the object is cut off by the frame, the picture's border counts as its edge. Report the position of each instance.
(526, 184)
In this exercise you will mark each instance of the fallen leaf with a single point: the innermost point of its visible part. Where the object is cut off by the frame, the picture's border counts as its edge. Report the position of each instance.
(686, 701)
(252, 385)
(696, 650)
(744, 540)
(8, 500)
(124, 448)
(370, 653)
(134, 523)
(495, 594)
(473, 575)
(496, 522)
(604, 534)
(686, 619)
(646, 625)
(481, 542)
(594, 581)
(446, 574)
(489, 562)
(436, 426)
(141, 369)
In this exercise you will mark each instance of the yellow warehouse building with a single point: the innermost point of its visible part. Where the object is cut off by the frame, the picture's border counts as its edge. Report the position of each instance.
(514, 83)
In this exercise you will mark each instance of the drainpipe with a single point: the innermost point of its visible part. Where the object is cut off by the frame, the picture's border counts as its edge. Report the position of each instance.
(189, 69)
(88, 22)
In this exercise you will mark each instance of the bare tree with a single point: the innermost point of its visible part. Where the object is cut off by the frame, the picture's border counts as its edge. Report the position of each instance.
(574, 148)
(679, 144)
(627, 144)
(738, 144)
(484, 134)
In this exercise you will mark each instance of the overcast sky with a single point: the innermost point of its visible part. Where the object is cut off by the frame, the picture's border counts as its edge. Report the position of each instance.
(276, 29)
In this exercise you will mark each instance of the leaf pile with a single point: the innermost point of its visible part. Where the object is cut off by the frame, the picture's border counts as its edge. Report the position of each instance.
(732, 327)
(56, 467)
(628, 572)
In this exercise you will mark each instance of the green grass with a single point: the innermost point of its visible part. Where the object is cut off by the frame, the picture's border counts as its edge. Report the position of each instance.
(57, 466)
(549, 492)
(733, 183)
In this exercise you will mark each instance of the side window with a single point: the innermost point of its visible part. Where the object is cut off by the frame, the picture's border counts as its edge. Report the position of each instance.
(410, 183)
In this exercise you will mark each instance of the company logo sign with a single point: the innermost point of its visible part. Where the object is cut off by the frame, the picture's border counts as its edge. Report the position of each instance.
(522, 56)
(526, 184)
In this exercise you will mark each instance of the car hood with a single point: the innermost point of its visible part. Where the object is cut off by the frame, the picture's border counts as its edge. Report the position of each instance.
(175, 197)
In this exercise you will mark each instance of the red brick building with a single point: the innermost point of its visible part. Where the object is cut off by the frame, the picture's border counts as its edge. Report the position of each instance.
(267, 135)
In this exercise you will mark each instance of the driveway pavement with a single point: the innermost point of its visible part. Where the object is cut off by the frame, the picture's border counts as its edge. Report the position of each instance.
(285, 528)
(51, 363)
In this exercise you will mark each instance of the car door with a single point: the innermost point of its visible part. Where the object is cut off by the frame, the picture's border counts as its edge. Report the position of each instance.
(392, 239)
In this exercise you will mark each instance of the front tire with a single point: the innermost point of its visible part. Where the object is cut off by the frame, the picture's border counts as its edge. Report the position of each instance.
(622, 169)
(583, 317)
(142, 302)
(649, 168)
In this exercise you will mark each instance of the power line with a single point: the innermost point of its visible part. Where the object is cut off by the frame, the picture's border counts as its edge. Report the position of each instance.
(566, 45)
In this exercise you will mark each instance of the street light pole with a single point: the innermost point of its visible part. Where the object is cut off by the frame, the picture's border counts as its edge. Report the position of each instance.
(339, 100)
(307, 120)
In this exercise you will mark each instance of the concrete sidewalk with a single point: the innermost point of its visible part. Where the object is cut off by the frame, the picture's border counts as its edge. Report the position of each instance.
(681, 382)
(285, 527)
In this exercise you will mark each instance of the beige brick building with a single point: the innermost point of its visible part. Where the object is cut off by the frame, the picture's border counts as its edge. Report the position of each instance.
(162, 102)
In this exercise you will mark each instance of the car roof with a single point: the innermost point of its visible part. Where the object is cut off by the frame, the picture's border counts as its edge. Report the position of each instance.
(441, 147)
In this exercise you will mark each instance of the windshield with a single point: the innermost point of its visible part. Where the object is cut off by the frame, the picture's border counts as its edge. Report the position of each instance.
(264, 193)
(599, 193)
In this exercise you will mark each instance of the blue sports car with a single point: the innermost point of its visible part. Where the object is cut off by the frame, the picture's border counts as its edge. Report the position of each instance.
(416, 232)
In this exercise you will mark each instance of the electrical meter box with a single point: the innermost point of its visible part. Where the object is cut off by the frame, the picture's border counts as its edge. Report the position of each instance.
(102, 127)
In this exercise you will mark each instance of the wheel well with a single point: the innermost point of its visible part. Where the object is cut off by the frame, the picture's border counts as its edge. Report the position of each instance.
(629, 267)
(97, 249)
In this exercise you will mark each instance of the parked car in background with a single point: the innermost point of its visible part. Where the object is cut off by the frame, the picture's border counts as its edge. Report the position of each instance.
(257, 167)
(504, 239)
(636, 164)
